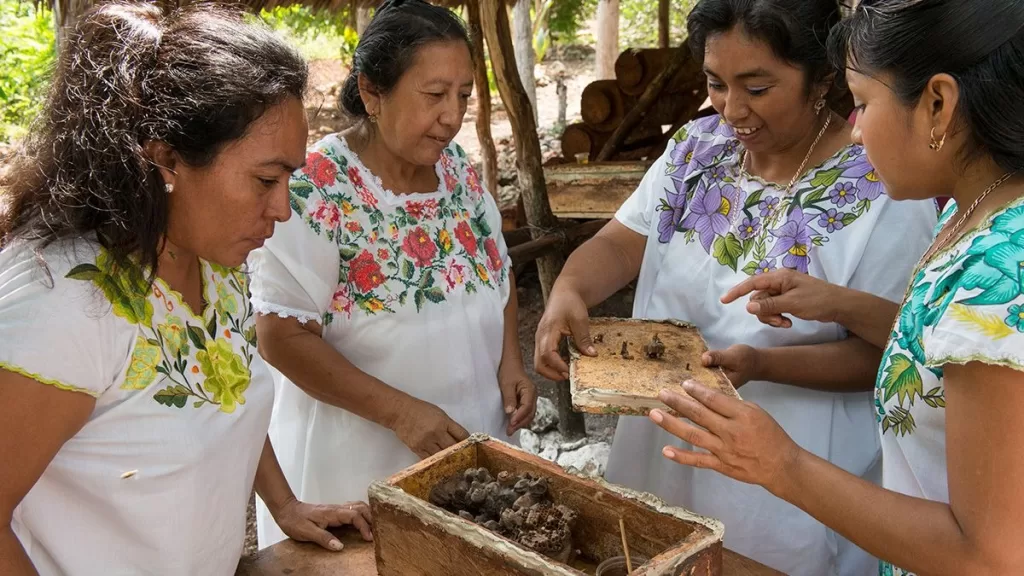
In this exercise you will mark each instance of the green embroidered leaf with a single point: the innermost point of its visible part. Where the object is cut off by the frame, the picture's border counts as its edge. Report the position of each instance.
(750, 268)
(153, 342)
(826, 178)
(849, 219)
(163, 370)
(301, 189)
(760, 250)
(434, 294)
(427, 280)
(197, 336)
(298, 206)
(480, 226)
(747, 245)
(198, 403)
(727, 250)
(900, 420)
(754, 199)
(84, 272)
(814, 197)
(818, 241)
(173, 396)
(470, 287)
(419, 298)
(250, 335)
(403, 297)
(392, 266)
(211, 326)
(408, 269)
(347, 252)
(902, 379)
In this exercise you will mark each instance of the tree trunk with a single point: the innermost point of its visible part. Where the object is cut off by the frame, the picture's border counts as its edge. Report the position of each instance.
(64, 21)
(525, 57)
(483, 99)
(563, 99)
(362, 18)
(607, 38)
(663, 24)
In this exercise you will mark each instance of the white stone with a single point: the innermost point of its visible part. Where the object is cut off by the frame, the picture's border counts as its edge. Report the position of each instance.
(574, 445)
(550, 453)
(529, 441)
(546, 417)
(590, 459)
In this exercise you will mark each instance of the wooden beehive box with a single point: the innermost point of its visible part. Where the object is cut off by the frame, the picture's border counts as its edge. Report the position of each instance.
(591, 190)
(625, 380)
(413, 536)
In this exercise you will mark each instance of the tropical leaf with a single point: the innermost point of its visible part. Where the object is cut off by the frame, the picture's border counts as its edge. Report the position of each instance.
(902, 379)
(754, 199)
(84, 272)
(849, 219)
(727, 250)
(900, 420)
(826, 178)
(990, 325)
(211, 326)
(197, 336)
(175, 396)
(750, 268)
(814, 196)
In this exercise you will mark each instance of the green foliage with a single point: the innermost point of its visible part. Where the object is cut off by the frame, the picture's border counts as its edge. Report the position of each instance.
(567, 17)
(638, 24)
(26, 57)
(318, 35)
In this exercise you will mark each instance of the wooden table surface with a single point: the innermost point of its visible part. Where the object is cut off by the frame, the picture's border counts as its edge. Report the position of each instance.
(357, 559)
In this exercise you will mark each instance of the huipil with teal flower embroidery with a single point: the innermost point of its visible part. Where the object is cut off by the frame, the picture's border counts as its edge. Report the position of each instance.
(182, 406)
(708, 229)
(964, 304)
(410, 288)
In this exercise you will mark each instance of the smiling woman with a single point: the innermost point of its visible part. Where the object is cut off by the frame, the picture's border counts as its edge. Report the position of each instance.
(772, 182)
(387, 304)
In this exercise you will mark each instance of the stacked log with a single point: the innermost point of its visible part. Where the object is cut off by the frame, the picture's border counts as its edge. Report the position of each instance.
(606, 103)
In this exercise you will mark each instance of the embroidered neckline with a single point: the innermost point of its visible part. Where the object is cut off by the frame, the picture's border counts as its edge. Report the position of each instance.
(398, 197)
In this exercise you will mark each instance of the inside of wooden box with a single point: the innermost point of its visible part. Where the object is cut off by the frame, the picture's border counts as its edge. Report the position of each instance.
(596, 533)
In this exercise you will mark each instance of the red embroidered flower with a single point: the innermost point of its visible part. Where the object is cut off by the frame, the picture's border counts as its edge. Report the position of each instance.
(364, 193)
(414, 209)
(455, 274)
(465, 236)
(419, 246)
(493, 257)
(365, 272)
(341, 302)
(430, 208)
(383, 254)
(473, 181)
(353, 226)
(326, 213)
(320, 169)
(450, 181)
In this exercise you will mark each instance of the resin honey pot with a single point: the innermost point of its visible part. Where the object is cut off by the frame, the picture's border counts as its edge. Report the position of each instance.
(413, 536)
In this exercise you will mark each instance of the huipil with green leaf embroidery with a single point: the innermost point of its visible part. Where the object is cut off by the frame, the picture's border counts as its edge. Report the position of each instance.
(964, 304)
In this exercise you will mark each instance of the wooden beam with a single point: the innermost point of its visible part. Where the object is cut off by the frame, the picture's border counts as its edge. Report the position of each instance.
(483, 99)
(533, 249)
(494, 19)
(522, 28)
(607, 38)
(649, 97)
(663, 23)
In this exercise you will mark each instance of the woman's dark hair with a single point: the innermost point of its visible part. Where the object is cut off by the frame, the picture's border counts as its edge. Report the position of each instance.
(796, 30)
(980, 43)
(388, 46)
(195, 79)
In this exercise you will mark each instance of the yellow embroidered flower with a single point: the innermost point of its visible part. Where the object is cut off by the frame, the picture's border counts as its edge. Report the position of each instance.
(227, 378)
(444, 240)
(482, 273)
(175, 338)
(374, 305)
(226, 304)
(142, 369)
(125, 288)
(347, 208)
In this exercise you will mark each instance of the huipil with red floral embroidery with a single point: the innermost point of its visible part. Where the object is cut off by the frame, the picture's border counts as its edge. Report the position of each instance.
(409, 288)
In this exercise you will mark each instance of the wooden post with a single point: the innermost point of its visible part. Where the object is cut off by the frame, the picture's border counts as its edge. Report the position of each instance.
(663, 23)
(522, 25)
(531, 173)
(607, 38)
(483, 99)
(362, 18)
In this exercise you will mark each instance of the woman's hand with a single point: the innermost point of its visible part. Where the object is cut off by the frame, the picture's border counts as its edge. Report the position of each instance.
(425, 428)
(788, 292)
(739, 362)
(519, 397)
(742, 440)
(309, 522)
(566, 315)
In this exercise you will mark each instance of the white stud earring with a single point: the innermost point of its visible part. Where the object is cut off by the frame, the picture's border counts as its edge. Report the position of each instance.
(168, 187)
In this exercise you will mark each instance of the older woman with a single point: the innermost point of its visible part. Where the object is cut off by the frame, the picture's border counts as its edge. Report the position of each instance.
(950, 387)
(772, 182)
(135, 409)
(387, 303)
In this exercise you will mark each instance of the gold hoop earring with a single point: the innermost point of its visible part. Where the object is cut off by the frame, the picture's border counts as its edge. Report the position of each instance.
(937, 145)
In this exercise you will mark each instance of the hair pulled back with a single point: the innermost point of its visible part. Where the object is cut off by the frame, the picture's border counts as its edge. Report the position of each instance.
(195, 79)
(388, 46)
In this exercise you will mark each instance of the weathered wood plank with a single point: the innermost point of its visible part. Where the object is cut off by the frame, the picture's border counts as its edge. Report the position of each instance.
(592, 190)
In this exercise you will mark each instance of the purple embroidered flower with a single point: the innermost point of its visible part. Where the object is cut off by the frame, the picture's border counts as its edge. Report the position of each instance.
(717, 174)
(844, 193)
(794, 240)
(869, 187)
(672, 208)
(831, 220)
(768, 206)
(765, 266)
(709, 212)
(749, 228)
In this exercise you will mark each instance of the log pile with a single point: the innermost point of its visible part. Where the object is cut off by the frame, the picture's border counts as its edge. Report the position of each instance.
(640, 97)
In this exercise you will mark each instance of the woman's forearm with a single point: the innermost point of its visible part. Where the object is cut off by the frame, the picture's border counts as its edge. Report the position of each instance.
(322, 372)
(849, 365)
(13, 559)
(604, 264)
(866, 315)
(511, 353)
(271, 484)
